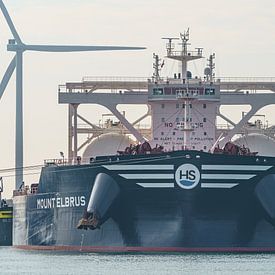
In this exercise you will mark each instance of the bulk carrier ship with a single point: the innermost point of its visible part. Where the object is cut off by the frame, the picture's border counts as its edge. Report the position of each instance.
(175, 189)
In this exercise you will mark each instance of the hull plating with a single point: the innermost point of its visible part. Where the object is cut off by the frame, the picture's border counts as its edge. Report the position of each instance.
(216, 214)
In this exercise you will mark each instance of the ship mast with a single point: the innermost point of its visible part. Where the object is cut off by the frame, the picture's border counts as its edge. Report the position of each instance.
(158, 64)
(184, 56)
(184, 38)
(209, 70)
(187, 127)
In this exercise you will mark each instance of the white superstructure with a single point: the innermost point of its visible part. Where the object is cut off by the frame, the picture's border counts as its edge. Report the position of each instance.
(183, 109)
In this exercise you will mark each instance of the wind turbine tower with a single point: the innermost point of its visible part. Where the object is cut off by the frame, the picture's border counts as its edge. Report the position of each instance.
(16, 45)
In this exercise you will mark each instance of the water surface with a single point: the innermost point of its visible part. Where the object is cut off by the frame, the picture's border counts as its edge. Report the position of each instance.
(15, 261)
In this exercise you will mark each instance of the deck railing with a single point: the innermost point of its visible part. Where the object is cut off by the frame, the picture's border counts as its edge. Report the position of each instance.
(90, 82)
(115, 79)
(246, 79)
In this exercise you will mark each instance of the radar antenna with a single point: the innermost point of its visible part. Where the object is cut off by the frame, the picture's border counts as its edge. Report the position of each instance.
(170, 46)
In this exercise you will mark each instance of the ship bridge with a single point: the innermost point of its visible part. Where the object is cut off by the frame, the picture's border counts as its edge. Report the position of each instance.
(171, 90)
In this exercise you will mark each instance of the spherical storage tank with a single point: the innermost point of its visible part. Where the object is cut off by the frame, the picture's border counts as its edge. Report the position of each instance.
(106, 144)
(264, 145)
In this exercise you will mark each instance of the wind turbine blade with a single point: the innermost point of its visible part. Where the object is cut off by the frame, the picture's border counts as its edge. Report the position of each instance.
(10, 23)
(7, 76)
(65, 48)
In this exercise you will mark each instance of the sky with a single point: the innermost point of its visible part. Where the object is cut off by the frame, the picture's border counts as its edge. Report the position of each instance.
(240, 32)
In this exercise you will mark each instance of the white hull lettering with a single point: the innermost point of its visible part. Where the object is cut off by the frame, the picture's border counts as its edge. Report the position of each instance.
(60, 202)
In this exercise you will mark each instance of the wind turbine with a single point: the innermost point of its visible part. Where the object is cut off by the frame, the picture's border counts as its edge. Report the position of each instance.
(16, 45)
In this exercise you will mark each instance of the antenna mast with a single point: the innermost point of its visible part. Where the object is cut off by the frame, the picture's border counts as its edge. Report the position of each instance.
(184, 55)
(184, 38)
(211, 66)
(158, 64)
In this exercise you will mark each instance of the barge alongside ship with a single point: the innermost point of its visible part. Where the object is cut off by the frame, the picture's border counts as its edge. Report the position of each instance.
(5, 219)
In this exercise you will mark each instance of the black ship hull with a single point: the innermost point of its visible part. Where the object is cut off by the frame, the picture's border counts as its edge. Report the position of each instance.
(163, 204)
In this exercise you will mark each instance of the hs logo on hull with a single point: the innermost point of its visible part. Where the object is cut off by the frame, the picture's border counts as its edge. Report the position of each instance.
(187, 176)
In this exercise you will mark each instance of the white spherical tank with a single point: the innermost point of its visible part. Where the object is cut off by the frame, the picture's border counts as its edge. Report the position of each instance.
(264, 145)
(106, 144)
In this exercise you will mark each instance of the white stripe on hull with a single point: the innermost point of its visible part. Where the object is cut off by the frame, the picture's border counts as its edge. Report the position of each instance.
(236, 167)
(157, 185)
(218, 185)
(226, 176)
(147, 176)
(138, 167)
